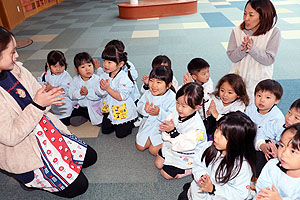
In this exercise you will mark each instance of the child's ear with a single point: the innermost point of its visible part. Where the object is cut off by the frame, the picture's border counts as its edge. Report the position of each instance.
(47, 65)
(194, 77)
(75, 69)
(121, 64)
(197, 107)
(169, 85)
(277, 101)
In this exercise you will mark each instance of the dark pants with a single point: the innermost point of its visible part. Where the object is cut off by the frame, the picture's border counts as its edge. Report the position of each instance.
(78, 187)
(122, 130)
(261, 161)
(81, 111)
(183, 194)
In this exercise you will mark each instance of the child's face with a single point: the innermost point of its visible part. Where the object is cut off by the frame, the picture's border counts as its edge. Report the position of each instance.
(85, 70)
(202, 76)
(8, 56)
(158, 87)
(111, 66)
(227, 94)
(264, 101)
(220, 141)
(57, 68)
(292, 117)
(289, 157)
(251, 18)
(183, 109)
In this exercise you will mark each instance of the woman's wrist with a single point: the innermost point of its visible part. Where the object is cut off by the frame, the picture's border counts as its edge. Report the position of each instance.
(38, 106)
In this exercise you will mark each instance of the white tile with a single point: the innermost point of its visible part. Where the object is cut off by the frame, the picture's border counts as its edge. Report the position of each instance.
(146, 19)
(42, 54)
(283, 10)
(225, 45)
(220, 3)
(145, 34)
(292, 20)
(203, 1)
(236, 22)
(192, 25)
(170, 26)
(293, 34)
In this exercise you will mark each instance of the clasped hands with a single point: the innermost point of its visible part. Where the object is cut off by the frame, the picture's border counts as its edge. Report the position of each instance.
(247, 43)
(269, 149)
(151, 109)
(104, 84)
(205, 184)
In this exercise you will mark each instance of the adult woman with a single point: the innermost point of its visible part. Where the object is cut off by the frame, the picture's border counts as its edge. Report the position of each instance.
(35, 147)
(253, 45)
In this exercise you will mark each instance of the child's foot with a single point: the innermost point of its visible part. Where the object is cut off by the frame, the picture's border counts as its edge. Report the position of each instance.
(78, 120)
(186, 173)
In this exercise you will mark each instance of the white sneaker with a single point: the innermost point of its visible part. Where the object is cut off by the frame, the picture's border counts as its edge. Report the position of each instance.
(137, 123)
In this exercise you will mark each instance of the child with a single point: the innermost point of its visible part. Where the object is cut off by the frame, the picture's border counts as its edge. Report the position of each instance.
(84, 89)
(116, 86)
(182, 133)
(223, 168)
(198, 71)
(262, 112)
(128, 68)
(280, 178)
(157, 61)
(155, 105)
(253, 45)
(55, 75)
(230, 95)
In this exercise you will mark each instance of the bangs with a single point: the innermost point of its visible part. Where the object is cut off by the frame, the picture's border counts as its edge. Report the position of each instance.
(162, 73)
(109, 53)
(296, 140)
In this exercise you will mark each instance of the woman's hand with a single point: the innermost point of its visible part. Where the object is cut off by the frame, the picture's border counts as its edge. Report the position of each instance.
(51, 97)
(167, 126)
(245, 42)
(205, 184)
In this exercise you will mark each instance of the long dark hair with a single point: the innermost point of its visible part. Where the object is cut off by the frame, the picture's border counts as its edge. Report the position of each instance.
(267, 15)
(52, 58)
(112, 53)
(163, 73)
(240, 131)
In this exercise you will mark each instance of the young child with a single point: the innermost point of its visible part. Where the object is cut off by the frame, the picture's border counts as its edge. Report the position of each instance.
(128, 68)
(253, 45)
(280, 178)
(157, 61)
(155, 105)
(116, 86)
(230, 95)
(224, 167)
(198, 71)
(262, 112)
(84, 89)
(182, 132)
(55, 75)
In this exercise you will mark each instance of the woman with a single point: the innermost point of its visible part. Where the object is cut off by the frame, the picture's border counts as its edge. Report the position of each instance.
(253, 45)
(35, 147)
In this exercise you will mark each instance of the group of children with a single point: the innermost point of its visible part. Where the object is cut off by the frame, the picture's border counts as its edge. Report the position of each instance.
(178, 121)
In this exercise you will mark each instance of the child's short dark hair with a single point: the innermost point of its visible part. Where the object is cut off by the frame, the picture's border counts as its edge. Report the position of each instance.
(197, 64)
(161, 59)
(163, 73)
(296, 104)
(295, 141)
(194, 93)
(117, 43)
(271, 86)
(82, 58)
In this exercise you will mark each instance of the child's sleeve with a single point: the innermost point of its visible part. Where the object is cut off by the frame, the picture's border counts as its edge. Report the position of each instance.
(74, 90)
(94, 90)
(265, 178)
(125, 87)
(237, 188)
(168, 107)
(133, 71)
(65, 82)
(141, 104)
(200, 168)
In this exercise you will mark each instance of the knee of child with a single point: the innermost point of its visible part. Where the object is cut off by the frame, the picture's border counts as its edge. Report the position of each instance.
(158, 162)
(153, 151)
(140, 148)
(165, 175)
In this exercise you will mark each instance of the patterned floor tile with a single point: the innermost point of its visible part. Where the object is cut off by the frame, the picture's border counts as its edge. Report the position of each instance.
(293, 34)
(193, 25)
(216, 19)
(145, 34)
(171, 26)
(292, 20)
(43, 38)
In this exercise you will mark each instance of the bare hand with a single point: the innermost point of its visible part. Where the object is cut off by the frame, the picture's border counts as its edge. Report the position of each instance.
(265, 149)
(268, 194)
(151, 109)
(97, 63)
(45, 99)
(167, 126)
(104, 84)
(205, 184)
(273, 151)
(145, 79)
(48, 87)
(84, 91)
(187, 78)
(245, 42)
(212, 110)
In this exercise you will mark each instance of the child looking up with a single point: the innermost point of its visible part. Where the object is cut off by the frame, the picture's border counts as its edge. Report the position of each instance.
(198, 71)
(262, 112)
(157, 61)
(182, 132)
(116, 86)
(224, 167)
(280, 178)
(55, 75)
(155, 105)
(84, 89)
(230, 95)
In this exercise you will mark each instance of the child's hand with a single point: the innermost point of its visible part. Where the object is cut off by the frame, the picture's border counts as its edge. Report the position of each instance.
(273, 151)
(245, 42)
(84, 91)
(147, 107)
(104, 84)
(212, 110)
(145, 79)
(205, 184)
(48, 87)
(154, 110)
(167, 126)
(268, 194)
(97, 63)
(265, 149)
(249, 44)
(187, 78)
